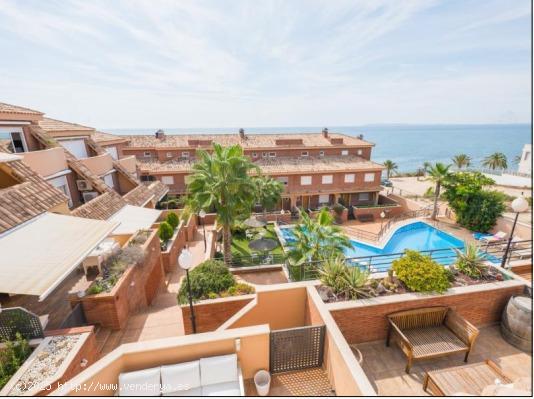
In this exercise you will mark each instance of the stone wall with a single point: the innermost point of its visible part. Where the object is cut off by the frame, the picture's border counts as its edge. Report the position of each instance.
(365, 320)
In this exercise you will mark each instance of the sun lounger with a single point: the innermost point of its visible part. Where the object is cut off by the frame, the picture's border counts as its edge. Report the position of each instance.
(499, 236)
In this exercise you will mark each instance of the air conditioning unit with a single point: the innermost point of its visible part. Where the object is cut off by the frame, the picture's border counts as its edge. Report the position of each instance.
(89, 195)
(83, 185)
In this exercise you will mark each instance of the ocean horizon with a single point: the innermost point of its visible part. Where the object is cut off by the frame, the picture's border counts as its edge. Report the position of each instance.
(408, 145)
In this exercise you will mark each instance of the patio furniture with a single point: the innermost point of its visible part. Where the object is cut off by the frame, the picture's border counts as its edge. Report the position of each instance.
(98, 255)
(469, 379)
(499, 236)
(432, 332)
(210, 376)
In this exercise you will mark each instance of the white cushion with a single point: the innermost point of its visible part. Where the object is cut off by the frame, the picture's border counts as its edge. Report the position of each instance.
(222, 389)
(190, 392)
(140, 383)
(217, 369)
(180, 377)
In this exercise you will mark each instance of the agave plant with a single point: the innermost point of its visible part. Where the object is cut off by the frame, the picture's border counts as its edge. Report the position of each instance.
(470, 261)
(332, 274)
(355, 280)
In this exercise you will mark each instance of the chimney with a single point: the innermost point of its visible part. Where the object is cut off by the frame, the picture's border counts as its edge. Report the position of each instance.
(242, 134)
(160, 134)
(360, 136)
(325, 132)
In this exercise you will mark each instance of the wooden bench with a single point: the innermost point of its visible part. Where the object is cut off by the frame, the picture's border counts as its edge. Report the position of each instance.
(428, 333)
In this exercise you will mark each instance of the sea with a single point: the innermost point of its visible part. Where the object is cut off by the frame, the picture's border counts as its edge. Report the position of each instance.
(409, 146)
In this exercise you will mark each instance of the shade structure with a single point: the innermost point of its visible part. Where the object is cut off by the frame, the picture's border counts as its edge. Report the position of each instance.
(263, 244)
(39, 254)
(253, 222)
(134, 218)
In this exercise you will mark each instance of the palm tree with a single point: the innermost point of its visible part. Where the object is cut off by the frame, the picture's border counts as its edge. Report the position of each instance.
(496, 160)
(268, 192)
(221, 181)
(461, 161)
(317, 239)
(438, 173)
(390, 167)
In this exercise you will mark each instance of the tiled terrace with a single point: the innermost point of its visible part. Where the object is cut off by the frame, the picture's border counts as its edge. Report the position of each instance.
(309, 382)
(384, 366)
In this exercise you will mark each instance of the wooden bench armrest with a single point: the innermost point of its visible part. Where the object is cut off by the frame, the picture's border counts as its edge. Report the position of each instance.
(461, 328)
(400, 334)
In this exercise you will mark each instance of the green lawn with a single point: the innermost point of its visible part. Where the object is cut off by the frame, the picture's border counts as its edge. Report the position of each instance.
(240, 243)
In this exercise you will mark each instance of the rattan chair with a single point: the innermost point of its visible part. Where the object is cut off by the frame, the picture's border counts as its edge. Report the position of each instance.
(428, 333)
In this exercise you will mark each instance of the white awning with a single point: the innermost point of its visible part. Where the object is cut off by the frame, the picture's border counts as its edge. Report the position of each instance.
(134, 218)
(38, 255)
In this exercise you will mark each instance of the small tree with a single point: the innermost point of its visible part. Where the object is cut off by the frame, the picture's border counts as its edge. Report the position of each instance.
(496, 160)
(165, 232)
(173, 220)
(438, 173)
(390, 167)
(461, 161)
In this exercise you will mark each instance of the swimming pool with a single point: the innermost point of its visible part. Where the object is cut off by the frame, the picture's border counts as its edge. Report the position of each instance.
(419, 236)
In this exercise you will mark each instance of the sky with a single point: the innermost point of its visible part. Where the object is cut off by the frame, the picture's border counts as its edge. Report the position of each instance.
(219, 63)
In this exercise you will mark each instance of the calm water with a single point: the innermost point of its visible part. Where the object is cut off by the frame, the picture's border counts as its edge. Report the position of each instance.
(408, 145)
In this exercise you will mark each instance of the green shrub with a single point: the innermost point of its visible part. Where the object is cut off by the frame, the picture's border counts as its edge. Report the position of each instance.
(470, 261)
(420, 273)
(210, 276)
(172, 204)
(356, 280)
(331, 274)
(173, 220)
(165, 232)
(12, 356)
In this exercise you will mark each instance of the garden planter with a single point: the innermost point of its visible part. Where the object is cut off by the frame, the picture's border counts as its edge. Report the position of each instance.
(262, 380)
(516, 323)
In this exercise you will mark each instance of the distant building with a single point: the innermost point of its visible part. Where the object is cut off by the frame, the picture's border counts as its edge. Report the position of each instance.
(525, 164)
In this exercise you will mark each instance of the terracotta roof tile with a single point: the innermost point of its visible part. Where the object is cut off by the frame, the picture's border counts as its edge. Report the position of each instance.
(31, 197)
(102, 137)
(143, 193)
(251, 141)
(102, 207)
(15, 109)
(54, 125)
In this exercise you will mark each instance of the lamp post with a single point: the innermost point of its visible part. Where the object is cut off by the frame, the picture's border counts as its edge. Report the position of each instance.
(519, 205)
(185, 260)
(382, 216)
(202, 215)
(282, 212)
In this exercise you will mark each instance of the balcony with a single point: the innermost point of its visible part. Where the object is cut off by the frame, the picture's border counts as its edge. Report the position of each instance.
(46, 162)
(99, 165)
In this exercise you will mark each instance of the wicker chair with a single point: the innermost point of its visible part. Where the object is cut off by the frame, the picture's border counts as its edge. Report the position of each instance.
(428, 333)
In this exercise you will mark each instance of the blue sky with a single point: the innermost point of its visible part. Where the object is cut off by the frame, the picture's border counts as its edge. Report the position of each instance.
(267, 63)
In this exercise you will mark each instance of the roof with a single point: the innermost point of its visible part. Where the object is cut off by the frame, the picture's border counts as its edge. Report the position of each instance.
(39, 255)
(54, 125)
(251, 141)
(31, 197)
(145, 192)
(278, 165)
(101, 207)
(134, 218)
(102, 137)
(8, 157)
(15, 109)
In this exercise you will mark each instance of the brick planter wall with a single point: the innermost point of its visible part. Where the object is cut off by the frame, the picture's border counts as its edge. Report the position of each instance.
(212, 313)
(191, 228)
(366, 321)
(136, 288)
(169, 257)
(390, 211)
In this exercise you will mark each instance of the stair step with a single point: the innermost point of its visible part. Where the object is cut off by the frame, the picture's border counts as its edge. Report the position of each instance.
(102, 335)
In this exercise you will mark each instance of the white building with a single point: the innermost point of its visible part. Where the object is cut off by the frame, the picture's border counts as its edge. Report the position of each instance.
(525, 164)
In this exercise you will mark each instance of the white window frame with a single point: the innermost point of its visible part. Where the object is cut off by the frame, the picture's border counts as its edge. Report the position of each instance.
(369, 177)
(169, 180)
(10, 131)
(283, 179)
(366, 195)
(185, 154)
(305, 180)
(145, 154)
(344, 152)
(264, 155)
(350, 177)
(169, 154)
(327, 179)
(321, 153)
(304, 154)
(272, 155)
(359, 152)
(327, 198)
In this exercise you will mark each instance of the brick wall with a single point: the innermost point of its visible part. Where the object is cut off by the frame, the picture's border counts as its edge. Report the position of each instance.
(211, 314)
(169, 258)
(191, 228)
(390, 211)
(368, 323)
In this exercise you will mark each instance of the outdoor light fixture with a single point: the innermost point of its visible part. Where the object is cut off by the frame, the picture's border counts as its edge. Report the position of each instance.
(202, 215)
(519, 205)
(185, 260)
(237, 344)
(382, 216)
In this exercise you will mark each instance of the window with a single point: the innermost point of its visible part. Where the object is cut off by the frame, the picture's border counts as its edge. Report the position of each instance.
(363, 196)
(304, 154)
(264, 155)
(283, 179)
(324, 198)
(147, 178)
(328, 179)
(147, 154)
(369, 177)
(17, 138)
(113, 152)
(254, 155)
(185, 154)
(272, 155)
(108, 179)
(167, 180)
(169, 155)
(344, 152)
(305, 180)
(359, 152)
(349, 178)
(321, 153)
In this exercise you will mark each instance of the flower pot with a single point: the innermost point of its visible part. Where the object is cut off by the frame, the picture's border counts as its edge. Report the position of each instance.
(262, 380)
